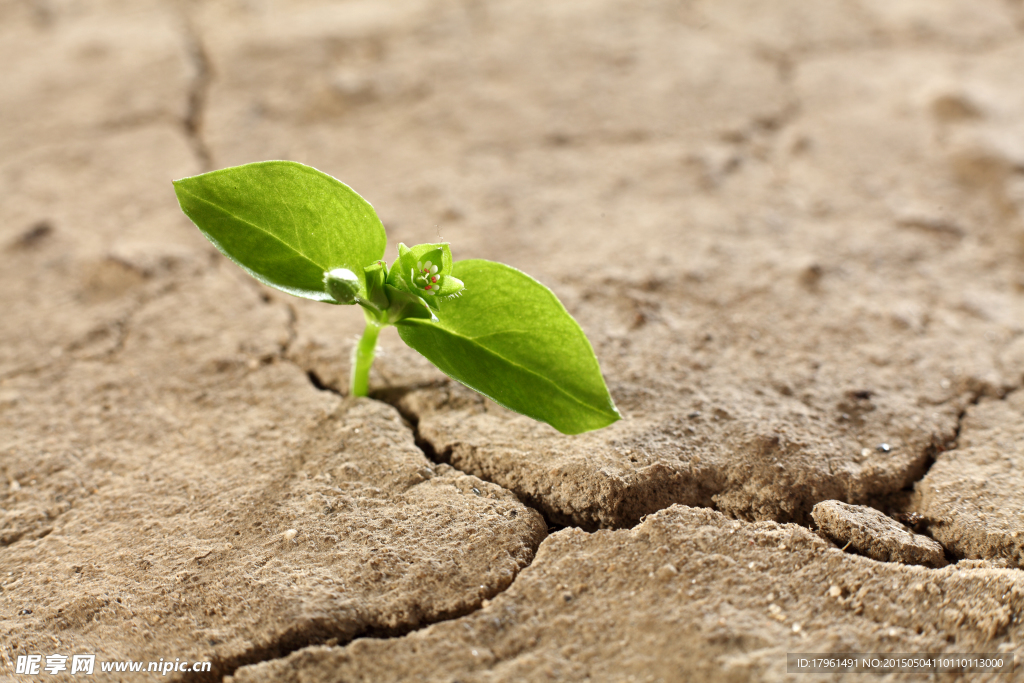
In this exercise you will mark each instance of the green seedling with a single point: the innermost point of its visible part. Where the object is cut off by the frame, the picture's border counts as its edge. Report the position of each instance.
(484, 324)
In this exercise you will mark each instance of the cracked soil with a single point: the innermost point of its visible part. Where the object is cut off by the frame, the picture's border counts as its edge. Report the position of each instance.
(793, 232)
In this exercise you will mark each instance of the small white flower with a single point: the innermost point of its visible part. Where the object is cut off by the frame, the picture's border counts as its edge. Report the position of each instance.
(427, 280)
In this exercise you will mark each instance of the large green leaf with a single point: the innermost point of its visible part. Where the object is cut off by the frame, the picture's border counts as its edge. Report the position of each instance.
(285, 223)
(512, 340)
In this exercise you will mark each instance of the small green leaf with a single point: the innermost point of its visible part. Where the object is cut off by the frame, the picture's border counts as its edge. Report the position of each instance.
(512, 340)
(449, 286)
(285, 223)
(440, 254)
(376, 296)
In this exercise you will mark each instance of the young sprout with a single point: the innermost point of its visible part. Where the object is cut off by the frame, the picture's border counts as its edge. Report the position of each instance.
(484, 324)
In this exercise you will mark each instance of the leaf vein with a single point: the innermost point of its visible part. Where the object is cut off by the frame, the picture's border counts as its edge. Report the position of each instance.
(526, 370)
(255, 227)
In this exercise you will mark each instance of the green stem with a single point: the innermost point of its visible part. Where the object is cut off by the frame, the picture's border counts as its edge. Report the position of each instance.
(364, 358)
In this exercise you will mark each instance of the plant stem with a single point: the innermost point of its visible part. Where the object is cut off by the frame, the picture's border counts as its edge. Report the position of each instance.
(364, 358)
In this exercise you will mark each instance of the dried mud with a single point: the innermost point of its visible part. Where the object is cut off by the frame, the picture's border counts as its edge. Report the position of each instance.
(794, 233)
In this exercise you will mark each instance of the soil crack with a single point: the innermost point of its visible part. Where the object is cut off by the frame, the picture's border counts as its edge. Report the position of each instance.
(198, 91)
(322, 633)
(900, 505)
(292, 330)
(311, 635)
(393, 397)
(326, 634)
(315, 380)
(118, 328)
(896, 505)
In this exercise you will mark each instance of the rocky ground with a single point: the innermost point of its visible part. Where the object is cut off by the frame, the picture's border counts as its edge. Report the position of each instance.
(793, 231)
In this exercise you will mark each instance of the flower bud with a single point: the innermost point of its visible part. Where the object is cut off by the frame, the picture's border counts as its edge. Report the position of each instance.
(343, 285)
(425, 270)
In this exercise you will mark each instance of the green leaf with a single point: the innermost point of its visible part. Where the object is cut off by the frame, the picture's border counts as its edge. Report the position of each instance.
(512, 340)
(440, 253)
(449, 286)
(285, 223)
(376, 297)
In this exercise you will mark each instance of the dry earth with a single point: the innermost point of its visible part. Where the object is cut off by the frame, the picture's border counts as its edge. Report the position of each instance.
(793, 231)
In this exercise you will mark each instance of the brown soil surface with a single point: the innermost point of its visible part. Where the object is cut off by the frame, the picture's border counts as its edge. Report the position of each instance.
(793, 231)
(700, 597)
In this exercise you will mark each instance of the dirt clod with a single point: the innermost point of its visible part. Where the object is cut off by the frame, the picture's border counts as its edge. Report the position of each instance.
(872, 533)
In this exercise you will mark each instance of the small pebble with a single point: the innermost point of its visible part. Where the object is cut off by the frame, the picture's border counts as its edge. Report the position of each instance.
(666, 572)
(883, 448)
(476, 490)
(290, 534)
(694, 414)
